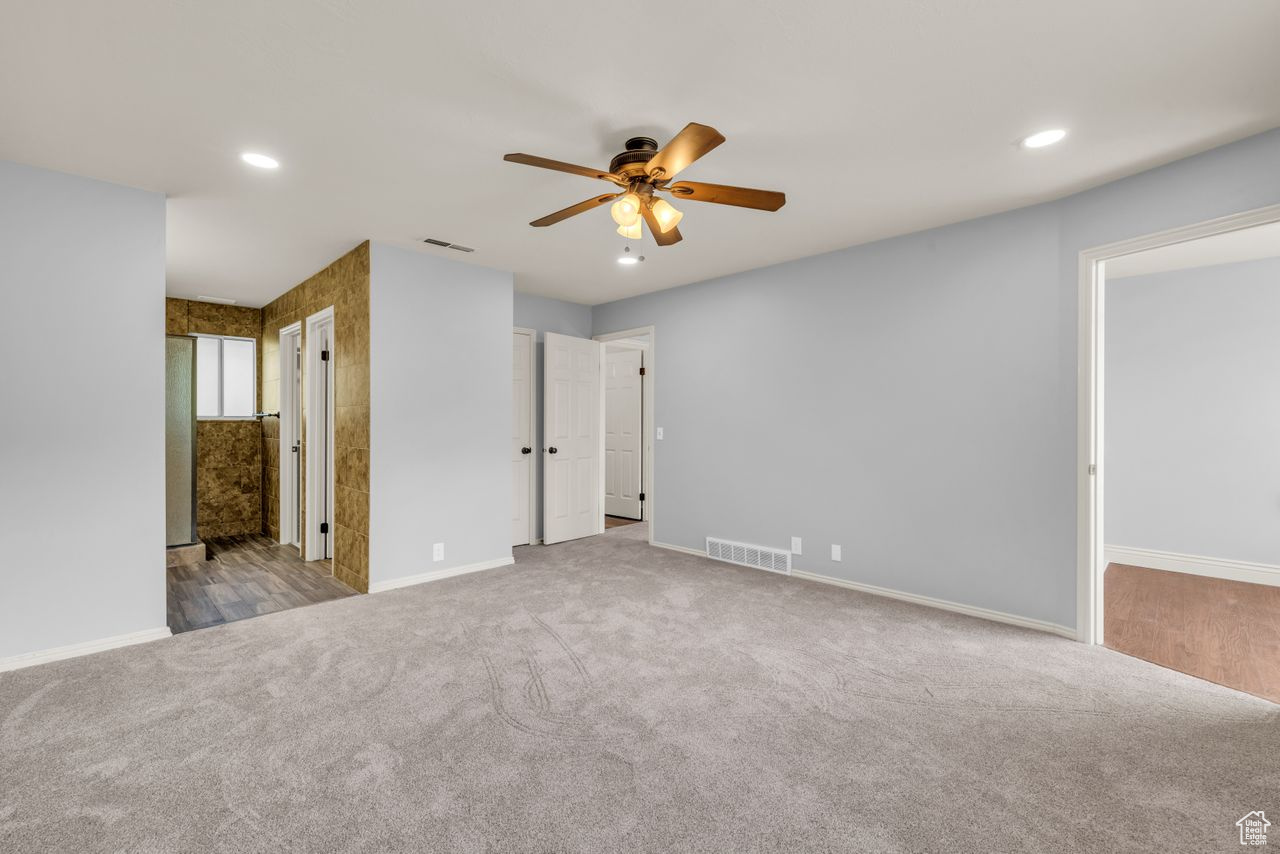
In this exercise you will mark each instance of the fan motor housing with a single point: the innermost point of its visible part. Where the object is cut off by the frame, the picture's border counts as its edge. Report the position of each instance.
(640, 150)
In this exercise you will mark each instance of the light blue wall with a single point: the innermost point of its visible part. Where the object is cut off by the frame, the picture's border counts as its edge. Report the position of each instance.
(546, 315)
(1193, 411)
(913, 399)
(440, 413)
(82, 394)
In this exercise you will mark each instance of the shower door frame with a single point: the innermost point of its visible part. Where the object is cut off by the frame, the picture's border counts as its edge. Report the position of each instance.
(194, 444)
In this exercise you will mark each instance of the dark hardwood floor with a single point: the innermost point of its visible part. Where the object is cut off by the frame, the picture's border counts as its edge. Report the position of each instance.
(1226, 632)
(618, 522)
(246, 577)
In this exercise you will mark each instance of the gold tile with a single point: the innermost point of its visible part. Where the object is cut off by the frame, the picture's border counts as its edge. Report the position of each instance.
(175, 316)
(351, 426)
(351, 509)
(352, 468)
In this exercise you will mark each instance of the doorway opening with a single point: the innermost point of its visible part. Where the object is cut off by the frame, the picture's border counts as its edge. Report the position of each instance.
(624, 372)
(627, 456)
(598, 459)
(318, 449)
(291, 435)
(1178, 542)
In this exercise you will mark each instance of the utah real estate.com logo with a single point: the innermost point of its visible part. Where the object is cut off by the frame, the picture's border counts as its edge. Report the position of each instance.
(1253, 828)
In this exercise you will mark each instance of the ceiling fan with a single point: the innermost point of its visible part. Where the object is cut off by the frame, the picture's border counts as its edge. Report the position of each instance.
(641, 172)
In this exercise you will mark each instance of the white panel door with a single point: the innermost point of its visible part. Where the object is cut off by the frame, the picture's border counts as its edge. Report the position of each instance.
(521, 440)
(571, 434)
(622, 432)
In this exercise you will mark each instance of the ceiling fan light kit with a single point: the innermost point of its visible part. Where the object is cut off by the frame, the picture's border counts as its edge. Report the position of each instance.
(633, 231)
(643, 170)
(626, 210)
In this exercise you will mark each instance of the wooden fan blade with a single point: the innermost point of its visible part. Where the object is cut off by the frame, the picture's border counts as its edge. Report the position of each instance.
(672, 236)
(684, 148)
(721, 194)
(574, 210)
(560, 166)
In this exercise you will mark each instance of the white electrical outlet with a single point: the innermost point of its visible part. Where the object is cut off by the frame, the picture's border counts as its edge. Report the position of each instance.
(835, 552)
(437, 551)
(795, 546)
(659, 432)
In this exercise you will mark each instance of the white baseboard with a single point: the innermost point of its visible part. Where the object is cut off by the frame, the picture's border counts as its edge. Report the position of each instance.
(942, 604)
(436, 575)
(928, 601)
(1213, 567)
(58, 653)
(681, 549)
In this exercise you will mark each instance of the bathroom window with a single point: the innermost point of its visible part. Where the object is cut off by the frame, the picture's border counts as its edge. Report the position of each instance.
(226, 377)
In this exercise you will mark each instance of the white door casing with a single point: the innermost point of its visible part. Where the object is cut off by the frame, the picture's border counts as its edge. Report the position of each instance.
(521, 435)
(290, 455)
(572, 434)
(622, 431)
(319, 408)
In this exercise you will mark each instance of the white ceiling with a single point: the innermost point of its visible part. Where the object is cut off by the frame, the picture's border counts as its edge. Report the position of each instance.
(1247, 244)
(391, 119)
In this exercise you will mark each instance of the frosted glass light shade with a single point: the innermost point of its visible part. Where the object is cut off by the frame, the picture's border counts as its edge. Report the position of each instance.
(626, 210)
(666, 215)
(633, 231)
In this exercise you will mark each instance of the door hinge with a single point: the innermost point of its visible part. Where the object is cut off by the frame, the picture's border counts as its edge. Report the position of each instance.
(1093, 468)
(642, 496)
(324, 527)
(642, 372)
(324, 355)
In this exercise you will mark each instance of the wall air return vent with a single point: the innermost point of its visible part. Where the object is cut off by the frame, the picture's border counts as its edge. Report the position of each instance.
(745, 554)
(447, 245)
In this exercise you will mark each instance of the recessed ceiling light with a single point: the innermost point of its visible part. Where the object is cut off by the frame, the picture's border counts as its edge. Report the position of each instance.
(1043, 138)
(628, 259)
(262, 161)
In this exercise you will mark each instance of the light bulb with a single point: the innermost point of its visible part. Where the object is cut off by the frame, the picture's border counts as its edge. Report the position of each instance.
(666, 215)
(626, 210)
(633, 231)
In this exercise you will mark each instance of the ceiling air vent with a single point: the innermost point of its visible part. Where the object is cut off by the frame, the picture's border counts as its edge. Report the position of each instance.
(744, 554)
(447, 245)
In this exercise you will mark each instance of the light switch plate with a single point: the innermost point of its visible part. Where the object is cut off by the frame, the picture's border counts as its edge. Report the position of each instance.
(835, 552)
(795, 546)
(437, 551)
(659, 432)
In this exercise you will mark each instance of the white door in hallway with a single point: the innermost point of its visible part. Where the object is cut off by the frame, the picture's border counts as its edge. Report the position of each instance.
(521, 433)
(571, 436)
(622, 431)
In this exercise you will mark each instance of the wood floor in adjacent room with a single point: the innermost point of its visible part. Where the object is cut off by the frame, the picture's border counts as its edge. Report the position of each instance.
(1226, 632)
(246, 577)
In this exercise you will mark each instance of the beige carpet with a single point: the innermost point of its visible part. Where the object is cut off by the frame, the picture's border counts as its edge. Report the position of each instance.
(606, 696)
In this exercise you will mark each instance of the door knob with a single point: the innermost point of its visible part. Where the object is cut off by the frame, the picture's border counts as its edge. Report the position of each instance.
(551, 450)
(526, 450)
